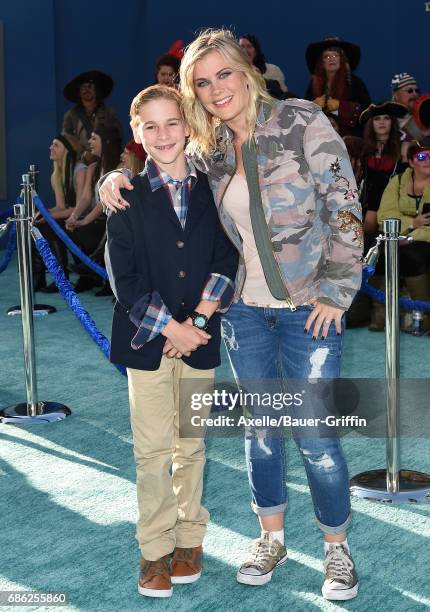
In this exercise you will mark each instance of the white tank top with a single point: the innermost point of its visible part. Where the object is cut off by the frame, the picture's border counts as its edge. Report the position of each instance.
(255, 291)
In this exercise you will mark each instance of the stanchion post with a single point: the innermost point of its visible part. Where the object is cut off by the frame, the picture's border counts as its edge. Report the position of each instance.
(392, 484)
(392, 352)
(32, 411)
(33, 172)
(30, 212)
(24, 266)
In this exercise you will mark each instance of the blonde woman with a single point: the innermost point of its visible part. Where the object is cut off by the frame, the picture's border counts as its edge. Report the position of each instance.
(67, 182)
(68, 175)
(287, 199)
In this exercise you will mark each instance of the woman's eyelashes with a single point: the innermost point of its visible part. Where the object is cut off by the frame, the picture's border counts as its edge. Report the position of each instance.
(222, 75)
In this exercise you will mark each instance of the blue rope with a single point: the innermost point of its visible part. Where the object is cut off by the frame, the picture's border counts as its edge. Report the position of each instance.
(10, 247)
(7, 213)
(67, 241)
(72, 299)
(379, 295)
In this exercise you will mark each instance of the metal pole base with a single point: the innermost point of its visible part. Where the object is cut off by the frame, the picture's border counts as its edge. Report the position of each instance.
(39, 310)
(372, 485)
(47, 412)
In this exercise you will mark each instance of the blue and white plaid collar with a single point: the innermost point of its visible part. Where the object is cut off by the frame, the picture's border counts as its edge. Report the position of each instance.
(158, 178)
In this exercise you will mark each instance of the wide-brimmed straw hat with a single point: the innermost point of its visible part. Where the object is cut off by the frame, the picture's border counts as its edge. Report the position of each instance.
(314, 50)
(394, 109)
(102, 81)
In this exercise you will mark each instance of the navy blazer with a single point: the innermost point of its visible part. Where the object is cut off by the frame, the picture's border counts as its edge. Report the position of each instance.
(147, 250)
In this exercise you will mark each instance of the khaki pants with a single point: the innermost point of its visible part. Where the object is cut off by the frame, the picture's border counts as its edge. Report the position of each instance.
(169, 468)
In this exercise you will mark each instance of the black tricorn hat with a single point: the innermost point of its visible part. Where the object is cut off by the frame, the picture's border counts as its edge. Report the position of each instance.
(314, 50)
(394, 109)
(102, 81)
(421, 112)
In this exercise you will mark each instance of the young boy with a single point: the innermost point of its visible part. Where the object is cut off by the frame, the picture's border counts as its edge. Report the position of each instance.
(171, 268)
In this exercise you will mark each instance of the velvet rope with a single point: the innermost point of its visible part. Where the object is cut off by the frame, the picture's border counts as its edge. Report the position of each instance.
(68, 294)
(379, 295)
(67, 240)
(10, 247)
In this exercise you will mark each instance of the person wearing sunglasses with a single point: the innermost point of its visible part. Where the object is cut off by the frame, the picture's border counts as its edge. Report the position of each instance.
(405, 91)
(407, 197)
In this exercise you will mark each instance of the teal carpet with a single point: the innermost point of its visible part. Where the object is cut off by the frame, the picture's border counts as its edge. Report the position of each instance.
(67, 494)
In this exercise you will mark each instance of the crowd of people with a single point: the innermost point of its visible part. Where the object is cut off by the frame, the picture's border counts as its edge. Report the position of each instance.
(256, 233)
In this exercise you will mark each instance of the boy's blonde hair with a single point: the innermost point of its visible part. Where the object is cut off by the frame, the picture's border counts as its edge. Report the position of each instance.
(155, 92)
(202, 124)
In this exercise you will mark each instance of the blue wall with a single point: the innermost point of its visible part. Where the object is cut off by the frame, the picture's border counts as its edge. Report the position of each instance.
(49, 41)
(30, 86)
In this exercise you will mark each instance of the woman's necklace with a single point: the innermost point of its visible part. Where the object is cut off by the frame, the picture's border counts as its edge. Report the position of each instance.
(418, 197)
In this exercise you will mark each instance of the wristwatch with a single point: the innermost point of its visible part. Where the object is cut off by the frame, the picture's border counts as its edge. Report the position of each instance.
(199, 320)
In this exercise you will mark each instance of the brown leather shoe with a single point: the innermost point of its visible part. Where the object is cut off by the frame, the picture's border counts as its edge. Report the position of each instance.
(186, 565)
(154, 578)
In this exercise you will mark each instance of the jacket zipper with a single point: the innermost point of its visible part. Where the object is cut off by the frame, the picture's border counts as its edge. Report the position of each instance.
(289, 301)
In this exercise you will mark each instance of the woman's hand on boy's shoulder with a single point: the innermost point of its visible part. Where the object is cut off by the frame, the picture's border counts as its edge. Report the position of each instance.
(110, 194)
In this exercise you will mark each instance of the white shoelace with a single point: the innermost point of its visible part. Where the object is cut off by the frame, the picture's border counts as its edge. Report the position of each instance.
(260, 552)
(338, 565)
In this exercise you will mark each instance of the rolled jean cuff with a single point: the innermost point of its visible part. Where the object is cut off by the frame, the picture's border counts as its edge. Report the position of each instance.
(268, 511)
(335, 530)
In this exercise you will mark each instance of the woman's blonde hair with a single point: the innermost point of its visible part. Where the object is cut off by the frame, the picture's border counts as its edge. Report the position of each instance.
(202, 124)
(62, 173)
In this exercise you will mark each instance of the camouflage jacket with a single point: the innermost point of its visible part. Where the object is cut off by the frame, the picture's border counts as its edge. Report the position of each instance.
(310, 201)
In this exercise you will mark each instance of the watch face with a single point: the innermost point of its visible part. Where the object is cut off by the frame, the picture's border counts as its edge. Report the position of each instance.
(199, 321)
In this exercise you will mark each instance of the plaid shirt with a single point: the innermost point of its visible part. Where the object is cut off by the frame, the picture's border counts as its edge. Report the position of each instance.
(217, 288)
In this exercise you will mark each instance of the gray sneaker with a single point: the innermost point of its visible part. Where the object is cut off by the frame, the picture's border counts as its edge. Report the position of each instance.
(341, 582)
(264, 556)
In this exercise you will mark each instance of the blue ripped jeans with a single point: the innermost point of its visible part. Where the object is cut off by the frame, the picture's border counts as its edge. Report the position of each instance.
(269, 344)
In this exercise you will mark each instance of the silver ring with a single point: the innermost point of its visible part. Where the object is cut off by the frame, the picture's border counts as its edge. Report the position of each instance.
(328, 321)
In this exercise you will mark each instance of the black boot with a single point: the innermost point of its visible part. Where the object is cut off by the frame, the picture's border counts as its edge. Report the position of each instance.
(39, 270)
(85, 283)
(105, 290)
(60, 252)
(377, 321)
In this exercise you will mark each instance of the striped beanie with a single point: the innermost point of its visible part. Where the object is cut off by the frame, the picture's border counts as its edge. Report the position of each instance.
(400, 80)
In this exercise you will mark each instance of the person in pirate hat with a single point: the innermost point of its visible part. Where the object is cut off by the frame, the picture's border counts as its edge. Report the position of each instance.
(333, 86)
(88, 91)
(381, 159)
